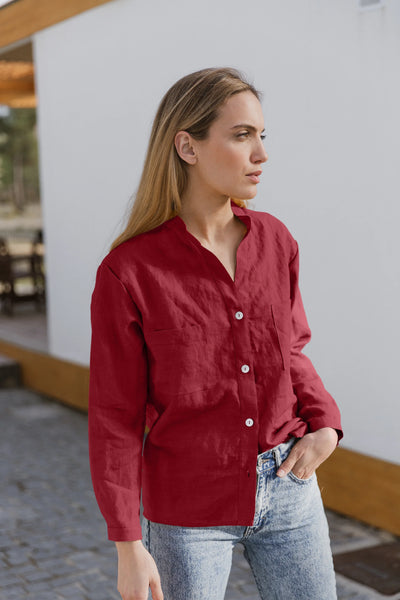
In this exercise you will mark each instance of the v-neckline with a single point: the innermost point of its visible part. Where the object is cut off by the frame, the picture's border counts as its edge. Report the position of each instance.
(238, 211)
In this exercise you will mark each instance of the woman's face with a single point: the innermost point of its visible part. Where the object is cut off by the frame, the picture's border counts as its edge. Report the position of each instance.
(233, 150)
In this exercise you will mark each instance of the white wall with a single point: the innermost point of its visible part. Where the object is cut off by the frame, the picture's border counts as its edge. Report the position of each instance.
(330, 78)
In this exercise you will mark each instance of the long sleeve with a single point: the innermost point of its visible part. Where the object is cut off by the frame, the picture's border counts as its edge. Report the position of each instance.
(316, 406)
(117, 405)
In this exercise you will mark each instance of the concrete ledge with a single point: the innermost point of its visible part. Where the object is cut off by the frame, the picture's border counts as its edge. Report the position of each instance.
(60, 379)
(362, 487)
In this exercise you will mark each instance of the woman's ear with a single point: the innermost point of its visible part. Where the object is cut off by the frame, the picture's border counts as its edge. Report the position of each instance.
(185, 147)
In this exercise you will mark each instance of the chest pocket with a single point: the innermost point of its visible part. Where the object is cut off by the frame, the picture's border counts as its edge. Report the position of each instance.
(270, 334)
(179, 361)
(281, 314)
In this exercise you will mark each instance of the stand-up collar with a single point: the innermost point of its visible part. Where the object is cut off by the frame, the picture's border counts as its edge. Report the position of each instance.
(241, 212)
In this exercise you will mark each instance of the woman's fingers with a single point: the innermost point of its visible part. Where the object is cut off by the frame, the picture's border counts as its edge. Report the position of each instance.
(290, 462)
(137, 571)
(309, 452)
(156, 591)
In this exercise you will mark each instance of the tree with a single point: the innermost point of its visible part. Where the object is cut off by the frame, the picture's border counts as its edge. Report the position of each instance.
(19, 178)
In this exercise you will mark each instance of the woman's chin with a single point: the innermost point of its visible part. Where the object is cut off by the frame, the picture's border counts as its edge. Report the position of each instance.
(250, 193)
(245, 194)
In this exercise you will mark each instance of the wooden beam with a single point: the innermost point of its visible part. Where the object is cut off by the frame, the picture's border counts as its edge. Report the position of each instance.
(22, 52)
(21, 101)
(17, 100)
(17, 85)
(23, 18)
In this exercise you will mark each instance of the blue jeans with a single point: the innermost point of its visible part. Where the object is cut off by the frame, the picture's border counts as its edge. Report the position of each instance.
(287, 547)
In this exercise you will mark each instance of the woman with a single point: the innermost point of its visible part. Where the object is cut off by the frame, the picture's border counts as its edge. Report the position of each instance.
(197, 332)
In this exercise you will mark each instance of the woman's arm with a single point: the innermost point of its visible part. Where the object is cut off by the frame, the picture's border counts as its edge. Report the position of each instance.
(117, 404)
(315, 405)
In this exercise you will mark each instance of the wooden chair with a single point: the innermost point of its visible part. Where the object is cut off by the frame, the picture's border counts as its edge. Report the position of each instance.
(17, 267)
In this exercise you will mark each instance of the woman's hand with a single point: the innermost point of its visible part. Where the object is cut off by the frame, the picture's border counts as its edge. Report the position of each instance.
(137, 571)
(309, 452)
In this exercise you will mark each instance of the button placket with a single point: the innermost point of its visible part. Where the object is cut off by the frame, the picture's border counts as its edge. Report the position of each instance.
(247, 393)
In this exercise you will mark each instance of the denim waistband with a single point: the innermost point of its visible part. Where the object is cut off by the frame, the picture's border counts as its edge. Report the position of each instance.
(275, 456)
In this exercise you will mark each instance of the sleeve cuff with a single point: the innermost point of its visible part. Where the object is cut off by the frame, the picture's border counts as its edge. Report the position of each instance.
(124, 534)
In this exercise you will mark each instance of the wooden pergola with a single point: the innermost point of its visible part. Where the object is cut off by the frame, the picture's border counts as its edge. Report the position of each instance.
(19, 20)
(17, 86)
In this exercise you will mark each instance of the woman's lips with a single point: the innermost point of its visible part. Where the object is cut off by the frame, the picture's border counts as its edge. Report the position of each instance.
(255, 178)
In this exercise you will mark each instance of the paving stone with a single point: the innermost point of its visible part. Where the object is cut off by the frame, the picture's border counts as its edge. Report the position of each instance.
(78, 542)
(16, 557)
(65, 580)
(39, 555)
(105, 594)
(109, 551)
(101, 589)
(51, 563)
(4, 539)
(23, 570)
(39, 586)
(348, 534)
(15, 593)
(232, 594)
(37, 576)
(64, 568)
(9, 579)
(76, 596)
(41, 596)
(249, 588)
(70, 591)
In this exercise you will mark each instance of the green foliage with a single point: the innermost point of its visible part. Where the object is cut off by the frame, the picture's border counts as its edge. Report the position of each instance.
(19, 179)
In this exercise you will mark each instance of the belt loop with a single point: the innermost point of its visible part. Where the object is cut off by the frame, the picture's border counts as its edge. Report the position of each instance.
(276, 454)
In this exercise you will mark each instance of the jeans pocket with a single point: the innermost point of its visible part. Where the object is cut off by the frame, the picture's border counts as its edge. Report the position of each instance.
(293, 477)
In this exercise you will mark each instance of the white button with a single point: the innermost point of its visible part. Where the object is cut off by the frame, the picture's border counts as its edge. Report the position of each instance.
(245, 368)
(249, 422)
(239, 315)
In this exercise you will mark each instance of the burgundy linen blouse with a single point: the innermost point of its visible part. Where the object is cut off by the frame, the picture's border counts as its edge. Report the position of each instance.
(213, 366)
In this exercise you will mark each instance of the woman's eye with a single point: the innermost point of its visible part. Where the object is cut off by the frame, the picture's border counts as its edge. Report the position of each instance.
(245, 134)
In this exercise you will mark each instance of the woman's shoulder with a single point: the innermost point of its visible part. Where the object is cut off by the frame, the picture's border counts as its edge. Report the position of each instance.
(128, 255)
(273, 224)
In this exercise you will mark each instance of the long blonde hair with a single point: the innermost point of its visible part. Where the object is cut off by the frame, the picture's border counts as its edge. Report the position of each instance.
(191, 105)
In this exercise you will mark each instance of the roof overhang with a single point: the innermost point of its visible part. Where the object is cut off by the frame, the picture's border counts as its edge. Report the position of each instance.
(19, 20)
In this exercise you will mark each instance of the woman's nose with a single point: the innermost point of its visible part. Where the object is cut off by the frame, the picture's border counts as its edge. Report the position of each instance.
(260, 154)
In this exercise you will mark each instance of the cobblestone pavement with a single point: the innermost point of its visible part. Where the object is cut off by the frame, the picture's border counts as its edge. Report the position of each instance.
(53, 543)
